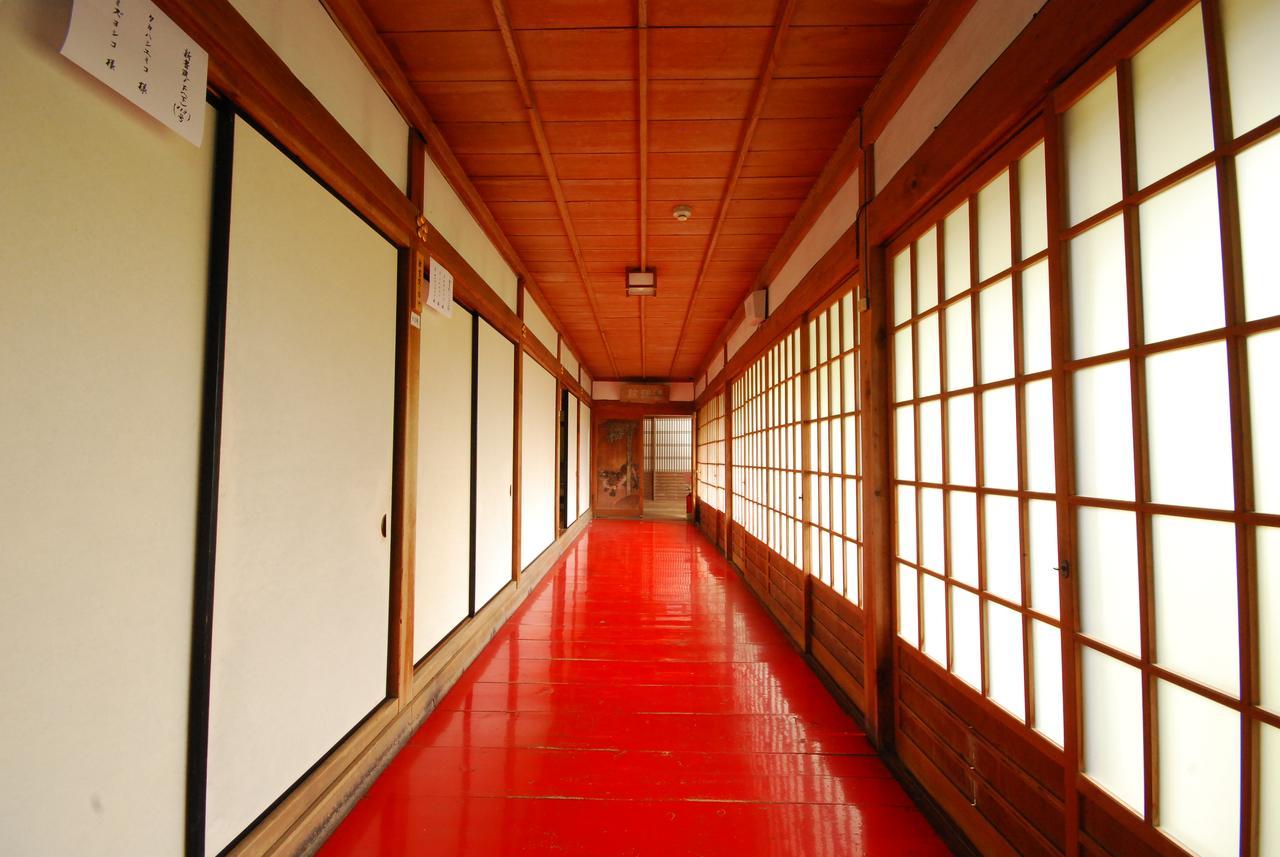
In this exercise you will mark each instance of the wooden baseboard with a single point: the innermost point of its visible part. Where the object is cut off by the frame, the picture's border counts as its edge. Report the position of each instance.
(306, 817)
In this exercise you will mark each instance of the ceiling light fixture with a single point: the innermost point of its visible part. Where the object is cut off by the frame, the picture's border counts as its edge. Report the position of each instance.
(642, 283)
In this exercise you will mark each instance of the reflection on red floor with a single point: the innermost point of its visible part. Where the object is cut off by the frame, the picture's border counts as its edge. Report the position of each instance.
(640, 703)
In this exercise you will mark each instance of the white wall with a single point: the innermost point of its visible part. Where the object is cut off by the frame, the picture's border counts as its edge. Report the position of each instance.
(303, 566)
(442, 580)
(101, 365)
(989, 28)
(567, 360)
(833, 222)
(584, 458)
(536, 320)
(306, 38)
(495, 460)
(446, 212)
(537, 461)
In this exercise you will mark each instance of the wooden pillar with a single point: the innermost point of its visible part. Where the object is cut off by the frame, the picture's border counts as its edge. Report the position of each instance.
(404, 470)
(515, 446)
(877, 443)
(806, 467)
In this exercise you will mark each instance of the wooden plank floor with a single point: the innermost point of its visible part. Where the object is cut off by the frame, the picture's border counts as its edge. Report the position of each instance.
(640, 703)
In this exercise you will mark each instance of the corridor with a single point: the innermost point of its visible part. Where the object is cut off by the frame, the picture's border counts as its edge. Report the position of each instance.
(641, 702)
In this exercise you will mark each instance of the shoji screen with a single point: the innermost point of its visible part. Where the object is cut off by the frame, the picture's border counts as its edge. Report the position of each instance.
(495, 460)
(835, 493)
(442, 577)
(303, 559)
(974, 445)
(766, 449)
(571, 466)
(584, 458)
(103, 286)
(537, 461)
(711, 452)
(1173, 312)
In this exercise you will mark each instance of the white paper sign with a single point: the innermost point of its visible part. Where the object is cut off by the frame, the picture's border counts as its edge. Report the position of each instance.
(135, 49)
(440, 291)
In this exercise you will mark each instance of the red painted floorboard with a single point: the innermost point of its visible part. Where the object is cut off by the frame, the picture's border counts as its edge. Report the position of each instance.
(640, 703)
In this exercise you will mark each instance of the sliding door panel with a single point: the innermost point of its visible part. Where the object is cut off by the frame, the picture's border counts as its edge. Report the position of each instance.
(303, 554)
(495, 465)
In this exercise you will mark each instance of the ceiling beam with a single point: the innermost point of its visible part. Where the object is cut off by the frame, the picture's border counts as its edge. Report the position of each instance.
(642, 215)
(549, 165)
(783, 22)
(351, 18)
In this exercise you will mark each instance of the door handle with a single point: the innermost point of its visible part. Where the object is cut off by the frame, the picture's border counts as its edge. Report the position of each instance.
(384, 526)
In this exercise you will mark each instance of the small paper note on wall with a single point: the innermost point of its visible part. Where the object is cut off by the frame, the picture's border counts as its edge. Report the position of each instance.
(135, 49)
(440, 292)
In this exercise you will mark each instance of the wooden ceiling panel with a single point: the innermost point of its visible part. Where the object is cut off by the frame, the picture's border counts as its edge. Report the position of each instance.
(458, 56)
(772, 188)
(586, 100)
(690, 165)
(700, 99)
(773, 134)
(810, 13)
(514, 190)
(597, 166)
(581, 123)
(817, 97)
(504, 166)
(601, 210)
(578, 54)
(574, 138)
(526, 210)
(839, 51)
(567, 14)
(463, 101)
(403, 16)
(713, 13)
(600, 190)
(775, 164)
(489, 138)
(707, 53)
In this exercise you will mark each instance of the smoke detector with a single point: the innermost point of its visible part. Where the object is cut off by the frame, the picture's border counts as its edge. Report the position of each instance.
(682, 212)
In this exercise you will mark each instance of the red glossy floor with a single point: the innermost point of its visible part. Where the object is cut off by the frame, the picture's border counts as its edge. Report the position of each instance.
(640, 703)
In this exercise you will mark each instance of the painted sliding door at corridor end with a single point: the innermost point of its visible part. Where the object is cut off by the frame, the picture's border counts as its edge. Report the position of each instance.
(103, 284)
(303, 554)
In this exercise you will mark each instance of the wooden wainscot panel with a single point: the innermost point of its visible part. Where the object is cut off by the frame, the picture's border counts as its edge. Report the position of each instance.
(996, 728)
(947, 781)
(841, 608)
(1113, 831)
(1024, 837)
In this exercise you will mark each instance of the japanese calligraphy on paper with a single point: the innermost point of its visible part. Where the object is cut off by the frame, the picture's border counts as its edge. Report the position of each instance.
(440, 290)
(135, 49)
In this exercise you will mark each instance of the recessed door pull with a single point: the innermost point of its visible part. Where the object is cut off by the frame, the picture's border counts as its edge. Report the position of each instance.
(384, 526)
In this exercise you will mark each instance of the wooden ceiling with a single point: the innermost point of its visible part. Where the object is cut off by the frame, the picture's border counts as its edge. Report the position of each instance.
(582, 123)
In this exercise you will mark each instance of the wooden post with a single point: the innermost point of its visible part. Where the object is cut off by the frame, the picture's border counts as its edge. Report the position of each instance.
(877, 425)
(515, 446)
(404, 471)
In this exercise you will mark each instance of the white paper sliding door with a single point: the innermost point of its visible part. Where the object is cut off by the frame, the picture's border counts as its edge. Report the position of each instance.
(537, 461)
(571, 463)
(103, 288)
(584, 458)
(302, 576)
(442, 578)
(495, 464)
